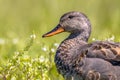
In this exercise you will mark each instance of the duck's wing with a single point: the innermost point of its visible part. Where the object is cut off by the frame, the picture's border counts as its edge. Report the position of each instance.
(109, 51)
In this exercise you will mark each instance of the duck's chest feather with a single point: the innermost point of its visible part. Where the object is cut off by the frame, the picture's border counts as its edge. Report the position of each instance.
(64, 55)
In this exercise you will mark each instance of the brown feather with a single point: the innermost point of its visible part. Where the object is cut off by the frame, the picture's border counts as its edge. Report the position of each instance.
(103, 49)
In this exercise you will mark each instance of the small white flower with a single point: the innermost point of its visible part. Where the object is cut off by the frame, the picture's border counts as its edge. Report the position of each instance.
(15, 40)
(44, 49)
(33, 36)
(56, 44)
(93, 39)
(112, 38)
(42, 59)
(2, 41)
(53, 50)
(17, 53)
(34, 60)
(30, 65)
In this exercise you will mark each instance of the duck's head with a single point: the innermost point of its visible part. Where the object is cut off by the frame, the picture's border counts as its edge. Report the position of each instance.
(73, 22)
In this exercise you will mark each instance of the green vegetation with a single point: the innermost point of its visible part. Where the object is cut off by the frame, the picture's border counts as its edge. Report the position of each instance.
(32, 58)
(23, 67)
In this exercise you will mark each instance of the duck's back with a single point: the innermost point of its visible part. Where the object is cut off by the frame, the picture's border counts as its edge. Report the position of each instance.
(109, 51)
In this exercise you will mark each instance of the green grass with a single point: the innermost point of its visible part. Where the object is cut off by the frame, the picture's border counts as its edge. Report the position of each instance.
(23, 67)
(26, 58)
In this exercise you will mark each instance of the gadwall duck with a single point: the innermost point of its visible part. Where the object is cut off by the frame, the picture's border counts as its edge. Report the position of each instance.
(99, 54)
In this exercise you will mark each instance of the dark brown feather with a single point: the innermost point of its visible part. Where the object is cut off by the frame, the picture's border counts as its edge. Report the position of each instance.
(109, 51)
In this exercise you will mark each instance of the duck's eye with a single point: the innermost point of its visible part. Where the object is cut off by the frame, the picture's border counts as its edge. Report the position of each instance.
(70, 17)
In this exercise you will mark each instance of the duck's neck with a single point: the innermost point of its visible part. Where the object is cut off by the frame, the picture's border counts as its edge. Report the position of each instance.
(79, 36)
(73, 42)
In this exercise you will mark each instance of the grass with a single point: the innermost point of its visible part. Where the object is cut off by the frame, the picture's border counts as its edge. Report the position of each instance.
(32, 58)
(23, 67)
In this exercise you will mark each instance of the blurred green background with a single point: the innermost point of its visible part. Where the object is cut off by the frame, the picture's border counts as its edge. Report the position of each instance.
(20, 18)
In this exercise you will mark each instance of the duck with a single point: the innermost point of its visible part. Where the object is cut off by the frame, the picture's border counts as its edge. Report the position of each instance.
(68, 58)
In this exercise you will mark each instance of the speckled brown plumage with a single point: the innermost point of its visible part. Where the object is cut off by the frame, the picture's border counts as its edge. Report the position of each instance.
(75, 59)
(106, 50)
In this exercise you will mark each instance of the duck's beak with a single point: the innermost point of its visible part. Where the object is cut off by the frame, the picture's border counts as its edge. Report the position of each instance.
(56, 30)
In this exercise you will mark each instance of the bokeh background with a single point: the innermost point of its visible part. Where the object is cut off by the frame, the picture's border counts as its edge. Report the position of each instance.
(21, 18)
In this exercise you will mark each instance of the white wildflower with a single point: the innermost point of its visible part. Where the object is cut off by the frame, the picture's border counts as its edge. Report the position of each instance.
(2, 41)
(33, 36)
(30, 65)
(93, 39)
(15, 40)
(111, 38)
(34, 60)
(17, 53)
(56, 44)
(42, 58)
(44, 49)
(53, 50)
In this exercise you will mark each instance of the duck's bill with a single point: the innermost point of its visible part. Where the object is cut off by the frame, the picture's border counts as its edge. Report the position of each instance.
(56, 30)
